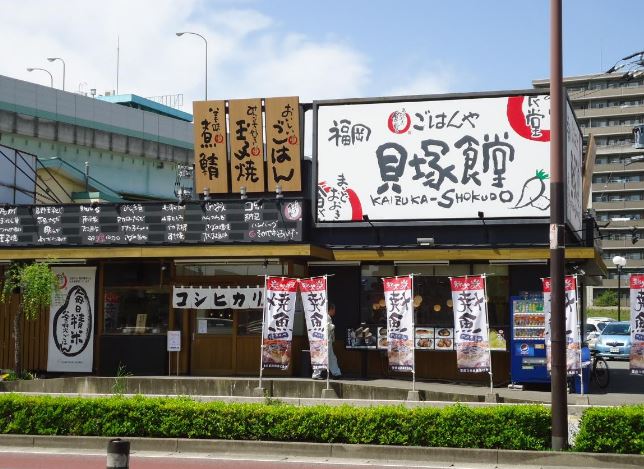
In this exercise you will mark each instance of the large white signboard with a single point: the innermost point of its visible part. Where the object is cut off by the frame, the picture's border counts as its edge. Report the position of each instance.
(71, 321)
(439, 159)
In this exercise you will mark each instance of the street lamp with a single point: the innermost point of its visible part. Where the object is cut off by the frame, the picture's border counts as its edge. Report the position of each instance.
(206, 42)
(51, 59)
(51, 78)
(619, 262)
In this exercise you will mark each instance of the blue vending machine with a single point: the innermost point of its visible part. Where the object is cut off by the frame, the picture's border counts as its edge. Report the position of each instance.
(528, 347)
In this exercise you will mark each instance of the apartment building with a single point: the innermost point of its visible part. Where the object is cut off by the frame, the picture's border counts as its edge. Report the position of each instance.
(607, 106)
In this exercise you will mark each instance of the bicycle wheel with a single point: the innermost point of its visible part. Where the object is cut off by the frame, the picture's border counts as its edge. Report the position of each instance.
(600, 369)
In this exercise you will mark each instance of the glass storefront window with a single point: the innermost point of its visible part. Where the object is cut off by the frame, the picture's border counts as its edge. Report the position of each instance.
(215, 321)
(136, 310)
(223, 270)
(249, 322)
(432, 293)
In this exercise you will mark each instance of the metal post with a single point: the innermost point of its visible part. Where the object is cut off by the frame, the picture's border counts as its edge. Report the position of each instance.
(559, 396)
(619, 292)
(489, 348)
(261, 340)
(118, 454)
(413, 335)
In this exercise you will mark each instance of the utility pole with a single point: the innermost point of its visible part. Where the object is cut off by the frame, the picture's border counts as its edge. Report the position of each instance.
(559, 395)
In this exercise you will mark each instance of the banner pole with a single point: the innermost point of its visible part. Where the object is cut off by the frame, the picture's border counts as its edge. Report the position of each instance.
(169, 363)
(579, 332)
(328, 338)
(489, 348)
(413, 336)
(178, 363)
(261, 342)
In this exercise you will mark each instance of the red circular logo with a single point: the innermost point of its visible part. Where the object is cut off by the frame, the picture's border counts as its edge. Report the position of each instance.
(255, 151)
(399, 122)
(520, 122)
(219, 138)
(292, 140)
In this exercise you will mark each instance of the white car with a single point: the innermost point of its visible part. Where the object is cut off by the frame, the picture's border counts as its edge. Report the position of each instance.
(594, 327)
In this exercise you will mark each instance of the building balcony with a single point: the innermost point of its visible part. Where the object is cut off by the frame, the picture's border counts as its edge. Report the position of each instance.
(619, 205)
(622, 92)
(608, 130)
(630, 264)
(612, 283)
(623, 224)
(609, 111)
(618, 149)
(619, 168)
(599, 187)
(621, 244)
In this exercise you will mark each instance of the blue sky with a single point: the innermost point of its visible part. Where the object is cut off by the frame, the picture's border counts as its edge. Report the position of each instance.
(314, 49)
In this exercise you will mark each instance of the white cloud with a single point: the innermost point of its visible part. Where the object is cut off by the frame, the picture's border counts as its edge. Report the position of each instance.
(248, 55)
(436, 81)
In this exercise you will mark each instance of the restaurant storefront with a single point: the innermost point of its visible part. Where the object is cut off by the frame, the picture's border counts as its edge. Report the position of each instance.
(363, 212)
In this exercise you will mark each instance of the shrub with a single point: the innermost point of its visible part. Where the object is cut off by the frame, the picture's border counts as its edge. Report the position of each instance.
(458, 426)
(612, 430)
(606, 298)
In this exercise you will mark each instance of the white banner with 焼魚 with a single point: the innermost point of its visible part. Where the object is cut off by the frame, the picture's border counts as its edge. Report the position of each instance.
(277, 335)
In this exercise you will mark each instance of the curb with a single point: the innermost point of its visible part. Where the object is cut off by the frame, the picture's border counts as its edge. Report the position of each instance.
(336, 450)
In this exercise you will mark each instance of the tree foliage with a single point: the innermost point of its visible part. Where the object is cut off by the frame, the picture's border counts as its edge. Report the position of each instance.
(35, 281)
(606, 298)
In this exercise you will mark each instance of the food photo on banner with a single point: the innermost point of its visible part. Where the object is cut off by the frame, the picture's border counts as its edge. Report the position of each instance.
(314, 300)
(573, 336)
(471, 324)
(71, 320)
(400, 322)
(637, 324)
(279, 309)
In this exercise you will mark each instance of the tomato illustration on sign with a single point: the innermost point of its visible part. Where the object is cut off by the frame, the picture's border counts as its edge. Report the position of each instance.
(219, 138)
(399, 122)
(292, 140)
(255, 151)
(528, 124)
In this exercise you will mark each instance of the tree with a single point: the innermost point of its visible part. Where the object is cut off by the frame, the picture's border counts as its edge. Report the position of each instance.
(606, 298)
(35, 283)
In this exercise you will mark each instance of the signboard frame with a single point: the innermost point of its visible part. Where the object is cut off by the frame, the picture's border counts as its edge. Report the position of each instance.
(318, 104)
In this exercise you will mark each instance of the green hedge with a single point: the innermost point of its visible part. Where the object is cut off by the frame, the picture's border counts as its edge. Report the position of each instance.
(612, 430)
(458, 426)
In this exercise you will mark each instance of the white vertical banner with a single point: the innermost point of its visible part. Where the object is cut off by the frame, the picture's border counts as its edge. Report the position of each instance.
(314, 300)
(470, 324)
(573, 336)
(400, 322)
(547, 311)
(637, 324)
(277, 335)
(71, 321)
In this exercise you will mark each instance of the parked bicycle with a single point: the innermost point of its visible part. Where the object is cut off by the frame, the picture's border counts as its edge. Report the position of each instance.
(599, 373)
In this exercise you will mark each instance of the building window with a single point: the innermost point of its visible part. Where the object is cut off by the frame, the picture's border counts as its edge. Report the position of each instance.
(136, 310)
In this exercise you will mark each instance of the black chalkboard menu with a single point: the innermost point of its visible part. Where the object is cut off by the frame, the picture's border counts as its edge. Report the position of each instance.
(152, 223)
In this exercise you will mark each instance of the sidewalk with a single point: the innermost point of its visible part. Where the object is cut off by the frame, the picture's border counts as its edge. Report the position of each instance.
(318, 452)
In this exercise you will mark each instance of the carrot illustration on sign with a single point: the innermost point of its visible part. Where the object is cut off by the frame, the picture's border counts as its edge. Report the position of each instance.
(534, 192)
